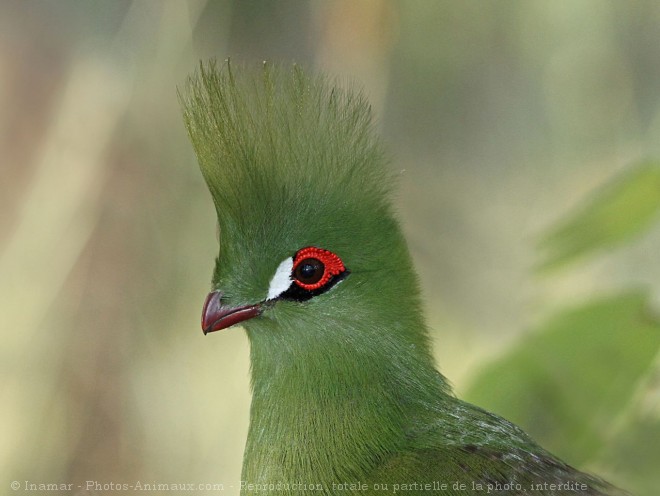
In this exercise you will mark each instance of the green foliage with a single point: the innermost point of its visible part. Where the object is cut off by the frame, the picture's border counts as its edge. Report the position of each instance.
(580, 383)
(615, 214)
(569, 381)
(634, 454)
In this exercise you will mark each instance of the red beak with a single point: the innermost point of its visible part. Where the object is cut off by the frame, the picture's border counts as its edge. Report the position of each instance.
(216, 316)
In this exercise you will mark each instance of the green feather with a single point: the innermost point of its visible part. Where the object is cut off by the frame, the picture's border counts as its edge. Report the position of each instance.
(345, 389)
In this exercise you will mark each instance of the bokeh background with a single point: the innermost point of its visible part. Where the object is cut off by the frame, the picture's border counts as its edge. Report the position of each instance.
(505, 120)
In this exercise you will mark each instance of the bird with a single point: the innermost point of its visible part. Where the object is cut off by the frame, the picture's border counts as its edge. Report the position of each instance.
(313, 264)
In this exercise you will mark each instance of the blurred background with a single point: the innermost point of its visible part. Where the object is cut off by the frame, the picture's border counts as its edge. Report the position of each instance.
(524, 134)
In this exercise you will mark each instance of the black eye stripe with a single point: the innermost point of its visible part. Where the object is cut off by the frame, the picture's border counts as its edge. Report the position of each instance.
(297, 293)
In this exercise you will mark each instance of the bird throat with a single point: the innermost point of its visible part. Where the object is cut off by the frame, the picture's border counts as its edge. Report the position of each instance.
(310, 421)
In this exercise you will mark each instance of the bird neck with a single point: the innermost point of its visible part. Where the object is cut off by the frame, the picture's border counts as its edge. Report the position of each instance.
(323, 411)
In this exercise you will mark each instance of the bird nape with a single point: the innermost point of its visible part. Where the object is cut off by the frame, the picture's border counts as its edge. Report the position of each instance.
(346, 398)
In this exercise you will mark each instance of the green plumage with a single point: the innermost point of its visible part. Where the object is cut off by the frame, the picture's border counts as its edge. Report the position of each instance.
(344, 385)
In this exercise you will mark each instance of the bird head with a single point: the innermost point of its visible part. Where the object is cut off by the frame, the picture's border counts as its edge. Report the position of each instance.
(309, 248)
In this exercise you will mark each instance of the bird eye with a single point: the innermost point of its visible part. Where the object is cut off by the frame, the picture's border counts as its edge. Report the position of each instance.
(314, 268)
(309, 271)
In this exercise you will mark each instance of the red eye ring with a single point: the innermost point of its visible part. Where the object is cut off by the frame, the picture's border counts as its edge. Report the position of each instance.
(332, 265)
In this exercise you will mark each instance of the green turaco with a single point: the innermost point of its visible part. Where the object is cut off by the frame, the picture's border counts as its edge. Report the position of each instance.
(312, 262)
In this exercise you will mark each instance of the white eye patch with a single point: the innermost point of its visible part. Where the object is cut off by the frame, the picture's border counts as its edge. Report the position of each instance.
(281, 280)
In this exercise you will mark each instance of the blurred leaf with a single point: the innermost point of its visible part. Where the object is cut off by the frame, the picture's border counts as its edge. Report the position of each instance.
(620, 210)
(635, 458)
(634, 453)
(567, 382)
